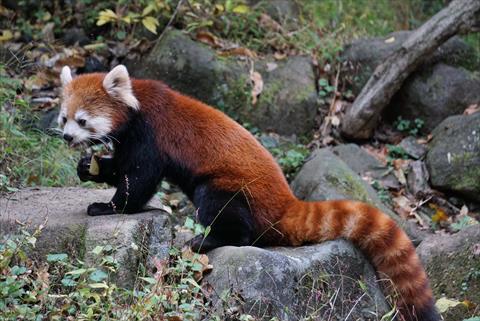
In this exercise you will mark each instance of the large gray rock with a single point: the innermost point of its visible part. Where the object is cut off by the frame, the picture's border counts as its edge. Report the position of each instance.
(366, 54)
(452, 263)
(453, 160)
(287, 104)
(325, 176)
(435, 93)
(68, 229)
(319, 281)
(441, 87)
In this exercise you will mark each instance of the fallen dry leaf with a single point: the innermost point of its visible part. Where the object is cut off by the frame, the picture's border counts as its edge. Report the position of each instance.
(202, 259)
(440, 215)
(207, 38)
(279, 55)
(403, 206)
(239, 51)
(271, 66)
(257, 82)
(472, 109)
(390, 40)
(266, 22)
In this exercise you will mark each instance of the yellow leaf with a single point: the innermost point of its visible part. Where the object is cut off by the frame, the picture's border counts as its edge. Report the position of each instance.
(439, 216)
(148, 9)
(219, 8)
(106, 16)
(390, 40)
(151, 24)
(443, 304)
(6, 35)
(241, 9)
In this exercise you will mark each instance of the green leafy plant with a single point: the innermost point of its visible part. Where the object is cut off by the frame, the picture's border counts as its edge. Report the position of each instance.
(127, 16)
(409, 127)
(290, 160)
(64, 288)
(28, 156)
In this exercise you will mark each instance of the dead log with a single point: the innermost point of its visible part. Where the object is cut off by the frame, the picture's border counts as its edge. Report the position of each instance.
(361, 118)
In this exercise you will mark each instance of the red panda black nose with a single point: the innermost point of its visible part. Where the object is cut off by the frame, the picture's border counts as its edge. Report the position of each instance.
(67, 137)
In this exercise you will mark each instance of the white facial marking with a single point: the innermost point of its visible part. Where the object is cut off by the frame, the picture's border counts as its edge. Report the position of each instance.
(95, 127)
(118, 85)
(101, 124)
(65, 75)
(78, 133)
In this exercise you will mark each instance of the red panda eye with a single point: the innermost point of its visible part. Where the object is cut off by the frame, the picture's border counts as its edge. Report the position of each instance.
(82, 122)
(64, 119)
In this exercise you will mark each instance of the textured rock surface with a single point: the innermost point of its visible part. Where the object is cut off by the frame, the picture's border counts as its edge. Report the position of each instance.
(453, 265)
(434, 94)
(287, 104)
(365, 164)
(441, 87)
(319, 281)
(453, 159)
(69, 229)
(325, 176)
(367, 53)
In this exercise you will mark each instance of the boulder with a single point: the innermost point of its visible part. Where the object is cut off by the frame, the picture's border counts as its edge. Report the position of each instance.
(366, 54)
(323, 282)
(453, 159)
(68, 229)
(435, 93)
(452, 263)
(443, 86)
(325, 176)
(287, 104)
(366, 165)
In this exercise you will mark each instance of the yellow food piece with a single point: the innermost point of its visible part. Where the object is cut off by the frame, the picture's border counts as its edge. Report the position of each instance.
(94, 168)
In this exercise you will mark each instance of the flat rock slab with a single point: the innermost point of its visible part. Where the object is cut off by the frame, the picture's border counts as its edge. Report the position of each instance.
(68, 228)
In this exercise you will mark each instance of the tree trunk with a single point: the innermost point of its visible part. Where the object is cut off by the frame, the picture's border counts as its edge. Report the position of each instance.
(361, 118)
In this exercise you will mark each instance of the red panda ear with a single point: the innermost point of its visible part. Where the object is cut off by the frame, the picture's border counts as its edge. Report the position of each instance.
(65, 76)
(118, 85)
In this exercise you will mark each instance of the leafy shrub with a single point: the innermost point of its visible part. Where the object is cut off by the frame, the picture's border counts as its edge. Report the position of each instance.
(65, 289)
(28, 156)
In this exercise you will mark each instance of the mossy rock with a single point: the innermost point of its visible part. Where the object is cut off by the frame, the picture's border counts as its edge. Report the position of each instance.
(296, 283)
(326, 177)
(287, 104)
(453, 159)
(453, 266)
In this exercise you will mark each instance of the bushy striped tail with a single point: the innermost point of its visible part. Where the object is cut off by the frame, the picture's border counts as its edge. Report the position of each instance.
(384, 243)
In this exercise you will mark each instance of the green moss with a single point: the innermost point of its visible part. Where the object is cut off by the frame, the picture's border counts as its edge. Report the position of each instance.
(270, 93)
(456, 276)
(234, 98)
(348, 185)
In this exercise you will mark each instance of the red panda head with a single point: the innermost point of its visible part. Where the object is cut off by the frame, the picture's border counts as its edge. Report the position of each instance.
(94, 105)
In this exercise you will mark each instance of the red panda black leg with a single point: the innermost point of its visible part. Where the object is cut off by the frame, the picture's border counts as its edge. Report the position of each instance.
(228, 216)
(134, 190)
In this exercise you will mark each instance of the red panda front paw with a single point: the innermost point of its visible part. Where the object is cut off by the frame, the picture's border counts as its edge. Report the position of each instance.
(83, 169)
(96, 209)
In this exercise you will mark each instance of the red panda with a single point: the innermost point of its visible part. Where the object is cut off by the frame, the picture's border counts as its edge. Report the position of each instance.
(236, 185)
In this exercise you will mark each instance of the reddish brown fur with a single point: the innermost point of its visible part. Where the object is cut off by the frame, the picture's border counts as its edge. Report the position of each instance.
(206, 142)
